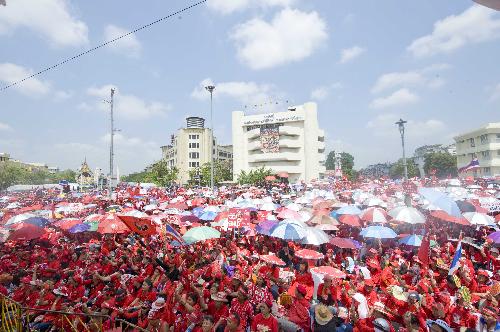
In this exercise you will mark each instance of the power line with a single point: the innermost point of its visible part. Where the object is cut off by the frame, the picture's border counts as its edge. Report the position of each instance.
(101, 45)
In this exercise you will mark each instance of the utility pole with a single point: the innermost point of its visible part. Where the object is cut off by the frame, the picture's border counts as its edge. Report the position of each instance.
(111, 147)
(401, 126)
(211, 88)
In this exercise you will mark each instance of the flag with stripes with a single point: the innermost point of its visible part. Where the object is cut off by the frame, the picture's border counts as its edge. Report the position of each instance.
(455, 263)
(474, 163)
(169, 230)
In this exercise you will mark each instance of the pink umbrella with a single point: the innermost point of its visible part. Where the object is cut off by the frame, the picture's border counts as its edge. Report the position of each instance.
(111, 224)
(26, 232)
(309, 254)
(289, 214)
(67, 223)
(342, 243)
(375, 215)
(272, 259)
(350, 219)
(329, 271)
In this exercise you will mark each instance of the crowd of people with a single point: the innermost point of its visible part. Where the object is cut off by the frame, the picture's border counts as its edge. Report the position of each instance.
(159, 283)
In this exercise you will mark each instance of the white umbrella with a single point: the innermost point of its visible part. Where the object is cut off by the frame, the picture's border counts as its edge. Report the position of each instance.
(408, 215)
(315, 236)
(294, 206)
(476, 218)
(268, 206)
(19, 218)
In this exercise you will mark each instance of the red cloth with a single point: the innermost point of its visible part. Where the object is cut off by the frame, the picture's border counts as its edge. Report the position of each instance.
(271, 323)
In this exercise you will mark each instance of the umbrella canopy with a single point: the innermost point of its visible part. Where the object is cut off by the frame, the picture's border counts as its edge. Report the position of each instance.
(465, 206)
(325, 227)
(412, 240)
(407, 214)
(442, 201)
(111, 224)
(495, 237)
(289, 214)
(208, 215)
(270, 178)
(476, 218)
(288, 231)
(342, 243)
(329, 271)
(265, 226)
(200, 233)
(349, 209)
(378, 232)
(37, 221)
(309, 254)
(350, 219)
(272, 259)
(26, 232)
(79, 228)
(323, 220)
(446, 217)
(19, 218)
(268, 206)
(67, 223)
(374, 215)
(315, 237)
(294, 206)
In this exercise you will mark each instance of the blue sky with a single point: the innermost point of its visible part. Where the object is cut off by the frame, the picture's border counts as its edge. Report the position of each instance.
(366, 63)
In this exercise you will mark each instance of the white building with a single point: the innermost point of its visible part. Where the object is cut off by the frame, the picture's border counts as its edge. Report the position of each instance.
(288, 142)
(190, 148)
(483, 144)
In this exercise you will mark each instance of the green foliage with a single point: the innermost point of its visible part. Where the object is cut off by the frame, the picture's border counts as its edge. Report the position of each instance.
(255, 176)
(444, 163)
(223, 171)
(12, 173)
(161, 174)
(143, 176)
(397, 169)
(347, 162)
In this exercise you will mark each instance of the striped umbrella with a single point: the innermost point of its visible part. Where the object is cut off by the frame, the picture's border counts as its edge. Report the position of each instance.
(374, 215)
(378, 232)
(407, 214)
(289, 231)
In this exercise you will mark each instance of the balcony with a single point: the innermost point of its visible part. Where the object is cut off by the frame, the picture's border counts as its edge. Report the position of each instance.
(284, 156)
(293, 131)
(284, 143)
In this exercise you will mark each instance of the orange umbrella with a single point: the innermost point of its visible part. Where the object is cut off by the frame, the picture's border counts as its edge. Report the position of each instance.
(309, 254)
(441, 215)
(111, 224)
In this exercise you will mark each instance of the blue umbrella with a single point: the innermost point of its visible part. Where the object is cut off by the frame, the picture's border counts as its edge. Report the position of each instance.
(198, 211)
(378, 232)
(79, 228)
(349, 209)
(38, 221)
(265, 226)
(442, 201)
(412, 240)
(288, 231)
(208, 215)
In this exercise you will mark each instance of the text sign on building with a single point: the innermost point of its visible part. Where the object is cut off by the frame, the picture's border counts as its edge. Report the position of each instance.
(272, 118)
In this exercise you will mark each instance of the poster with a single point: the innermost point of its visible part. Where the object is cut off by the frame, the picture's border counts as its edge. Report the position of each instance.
(270, 139)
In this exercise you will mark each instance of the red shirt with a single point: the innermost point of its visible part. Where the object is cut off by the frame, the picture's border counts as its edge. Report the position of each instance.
(217, 314)
(271, 323)
(244, 310)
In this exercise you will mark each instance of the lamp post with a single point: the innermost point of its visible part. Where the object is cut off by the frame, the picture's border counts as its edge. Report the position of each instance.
(211, 88)
(401, 126)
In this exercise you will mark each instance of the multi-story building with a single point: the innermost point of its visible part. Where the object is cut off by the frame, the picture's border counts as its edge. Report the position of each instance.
(421, 152)
(376, 170)
(290, 142)
(484, 144)
(191, 147)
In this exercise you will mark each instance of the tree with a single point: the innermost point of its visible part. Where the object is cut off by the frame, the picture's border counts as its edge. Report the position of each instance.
(443, 163)
(143, 176)
(11, 174)
(346, 161)
(68, 175)
(223, 171)
(397, 169)
(161, 174)
(255, 176)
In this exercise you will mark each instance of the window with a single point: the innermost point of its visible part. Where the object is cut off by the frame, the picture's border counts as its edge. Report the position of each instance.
(498, 152)
(485, 154)
(194, 164)
(194, 136)
(472, 143)
(484, 139)
(194, 155)
(194, 145)
(486, 170)
(498, 137)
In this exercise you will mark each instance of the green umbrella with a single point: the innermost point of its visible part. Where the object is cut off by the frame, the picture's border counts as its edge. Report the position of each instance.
(200, 233)
(93, 225)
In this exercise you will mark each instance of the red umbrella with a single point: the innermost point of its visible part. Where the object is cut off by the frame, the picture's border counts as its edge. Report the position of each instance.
(446, 217)
(350, 219)
(374, 214)
(178, 206)
(30, 208)
(329, 271)
(272, 259)
(26, 232)
(142, 226)
(111, 224)
(282, 174)
(67, 223)
(270, 178)
(309, 254)
(289, 214)
(342, 243)
(497, 217)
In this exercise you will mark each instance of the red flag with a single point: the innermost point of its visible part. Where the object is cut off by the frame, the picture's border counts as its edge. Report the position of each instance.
(423, 251)
(141, 226)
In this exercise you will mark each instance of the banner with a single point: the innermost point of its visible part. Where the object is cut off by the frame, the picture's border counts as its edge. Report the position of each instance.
(270, 139)
(141, 226)
(238, 218)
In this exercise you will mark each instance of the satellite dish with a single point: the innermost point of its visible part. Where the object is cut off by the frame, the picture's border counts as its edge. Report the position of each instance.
(493, 4)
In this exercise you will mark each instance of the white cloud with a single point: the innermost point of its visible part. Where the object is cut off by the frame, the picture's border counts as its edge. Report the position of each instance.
(495, 95)
(10, 73)
(384, 125)
(230, 6)
(128, 106)
(411, 78)
(247, 93)
(62, 95)
(476, 24)
(349, 54)
(129, 45)
(399, 98)
(291, 36)
(49, 18)
(5, 127)
(322, 92)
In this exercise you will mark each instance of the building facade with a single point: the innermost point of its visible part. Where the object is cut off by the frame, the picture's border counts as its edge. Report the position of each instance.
(483, 144)
(421, 152)
(290, 142)
(191, 147)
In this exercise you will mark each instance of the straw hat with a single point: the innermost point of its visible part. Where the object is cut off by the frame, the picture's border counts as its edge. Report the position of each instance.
(380, 307)
(322, 314)
(398, 293)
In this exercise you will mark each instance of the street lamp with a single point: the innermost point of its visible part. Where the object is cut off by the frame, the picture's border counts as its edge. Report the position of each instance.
(211, 88)
(401, 126)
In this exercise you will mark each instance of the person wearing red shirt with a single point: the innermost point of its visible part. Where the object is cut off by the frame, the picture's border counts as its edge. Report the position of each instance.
(259, 292)
(297, 313)
(367, 289)
(242, 307)
(303, 276)
(264, 321)
(137, 317)
(327, 292)
(217, 307)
